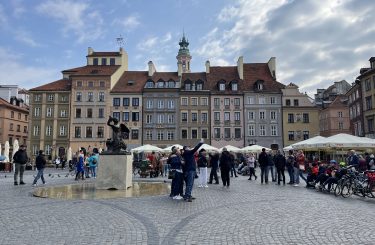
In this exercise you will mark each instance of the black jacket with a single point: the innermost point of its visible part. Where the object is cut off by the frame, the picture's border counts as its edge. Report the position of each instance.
(188, 155)
(214, 161)
(263, 160)
(202, 161)
(280, 162)
(40, 161)
(225, 161)
(20, 157)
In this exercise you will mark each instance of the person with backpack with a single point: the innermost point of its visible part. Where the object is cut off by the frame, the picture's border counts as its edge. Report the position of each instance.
(20, 159)
(93, 162)
(40, 163)
(289, 165)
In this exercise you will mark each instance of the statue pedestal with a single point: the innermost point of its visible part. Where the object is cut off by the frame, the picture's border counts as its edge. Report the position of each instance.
(115, 171)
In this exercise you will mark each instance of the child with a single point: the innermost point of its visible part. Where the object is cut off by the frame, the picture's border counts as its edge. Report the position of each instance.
(80, 165)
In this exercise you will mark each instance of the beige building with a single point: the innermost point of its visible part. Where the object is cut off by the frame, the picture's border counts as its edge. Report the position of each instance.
(91, 102)
(14, 119)
(300, 116)
(49, 119)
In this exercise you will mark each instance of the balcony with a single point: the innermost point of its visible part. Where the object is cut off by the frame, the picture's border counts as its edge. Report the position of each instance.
(237, 123)
(216, 122)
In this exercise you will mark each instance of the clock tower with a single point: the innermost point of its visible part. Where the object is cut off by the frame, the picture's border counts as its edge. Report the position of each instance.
(183, 57)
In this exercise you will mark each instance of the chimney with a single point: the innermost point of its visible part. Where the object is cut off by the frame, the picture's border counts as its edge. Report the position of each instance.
(179, 71)
(372, 62)
(151, 68)
(240, 67)
(90, 51)
(207, 66)
(121, 50)
(272, 66)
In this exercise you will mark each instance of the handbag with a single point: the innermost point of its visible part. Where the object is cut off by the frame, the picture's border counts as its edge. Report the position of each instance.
(171, 174)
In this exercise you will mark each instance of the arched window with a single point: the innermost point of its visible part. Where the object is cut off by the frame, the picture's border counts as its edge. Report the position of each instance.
(188, 85)
(199, 85)
(149, 84)
(160, 84)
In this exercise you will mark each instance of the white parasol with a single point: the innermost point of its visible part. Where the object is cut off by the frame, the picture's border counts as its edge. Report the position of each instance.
(69, 154)
(169, 148)
(16, 146)
(6, 151)
(147, 148)
(230, 148)
(208, 148)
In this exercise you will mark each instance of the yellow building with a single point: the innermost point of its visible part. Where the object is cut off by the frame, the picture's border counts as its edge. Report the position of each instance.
(300, 116)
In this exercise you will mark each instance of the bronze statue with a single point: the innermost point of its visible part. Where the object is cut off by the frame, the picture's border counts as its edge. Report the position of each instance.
(120, 132)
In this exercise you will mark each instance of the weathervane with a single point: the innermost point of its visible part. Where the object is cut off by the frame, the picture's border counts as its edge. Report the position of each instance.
(120, 41)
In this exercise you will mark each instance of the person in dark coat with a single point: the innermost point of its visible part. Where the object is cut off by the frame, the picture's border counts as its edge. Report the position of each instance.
(280, 164)
(214, 161)
(289, 164)
(263, 163)
(20, 159)
(225, 165)
(40, 163)
(176, 168)
(190, 169)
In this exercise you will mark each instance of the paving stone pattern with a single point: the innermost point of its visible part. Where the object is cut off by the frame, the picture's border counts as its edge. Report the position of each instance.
(246, 213)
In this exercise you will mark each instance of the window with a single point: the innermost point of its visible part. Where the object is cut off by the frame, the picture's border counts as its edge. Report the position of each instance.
(116, 102)
(89, 112)
(204, 101)
(63, 113)
(237, 101)
(64, 98)
(160, 118)
(125, 116)
(91, 84)
(234, 86)
(149, 84)
(27, 116)
(340, 113)
(296, 103)
(134, 134)
(95, 61)
(251, 130)
(184, 101)
(227, 133)
(160, 104)
(170, 104)
(367, 85)
(187, 86)
(226, 101)
(51, 97)
(194, 117)
(37, 111)
(170, 135)
(250, 100)
(37, 98)
(259, 86)
(194, 101)
(226, 116)
(194, 134)
(112, 61)
(341, 125)
(135, 101)
(217, 133)
(291, 135)
(262, 130)
(287, 102)
(11, 127)
(222, 86)
(100, 132)
(273, 130)
(250, 115)
(78, 96)
(199, 86)
(306, 135)
(25, 129)
(160, 135)
(184, 116)
(170, 118)
(216, 102)
(290, 118)
(237, 116)
(104, 61)
(273, 100)
(148, 135)
(369, 102)
(101, 96)
(262, 115)
(19, 116)
(102, 84)
(78, 112)
(148, 118)
(116, 115)
(306, 118)
(160, 84)
(49, 112)
(48, 149)
(88, 132)
(77, 132)
(171, 84)
(149, 104)
(370, 125)
(204, 117)
(262, 100)
(217, 116)
(184, 133)
(273, 115)
(35, 150)
(204, 134)
(237, 133)
(126, 102)
(101, 113)
(62, 130)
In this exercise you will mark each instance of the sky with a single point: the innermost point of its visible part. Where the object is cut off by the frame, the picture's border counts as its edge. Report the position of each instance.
(315, 42)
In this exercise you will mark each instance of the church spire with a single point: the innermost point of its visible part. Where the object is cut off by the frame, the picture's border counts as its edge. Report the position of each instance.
(183, 57)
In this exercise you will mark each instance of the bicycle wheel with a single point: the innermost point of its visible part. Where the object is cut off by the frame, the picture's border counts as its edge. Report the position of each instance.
(338, 189)
(347, 190)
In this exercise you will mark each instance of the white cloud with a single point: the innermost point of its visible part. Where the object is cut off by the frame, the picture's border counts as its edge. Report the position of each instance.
(26, 76)
(77, 17)
(25, 37)
(129, 22)
(147, 44)
(18, 8)
(3, 17)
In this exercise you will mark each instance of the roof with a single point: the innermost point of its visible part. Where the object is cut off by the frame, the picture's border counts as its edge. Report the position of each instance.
(260, 71)
(95, 54)
(91, 70)
(165, 76)
(195, 76)
(139, 79)
(59, 85)
(7, 104)
(339, 101)
(224, 73)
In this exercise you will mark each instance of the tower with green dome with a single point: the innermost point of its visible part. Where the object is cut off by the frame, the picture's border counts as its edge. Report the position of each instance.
(183, 57)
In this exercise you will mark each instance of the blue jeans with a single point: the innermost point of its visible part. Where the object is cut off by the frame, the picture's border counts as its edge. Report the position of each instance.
(93, 171)
(189, 176)
(264, 174)
(291, 175)
(176, 184)
(296, 175)
(39, 175)
(273, 172)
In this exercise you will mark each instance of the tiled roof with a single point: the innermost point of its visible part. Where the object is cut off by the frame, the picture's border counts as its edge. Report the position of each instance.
(96, 54)
(139, 79)
(91, 70)
(260, 71)
(59, 85)
(165, 76)
(226, 73)
(195, 76)
(339, 101)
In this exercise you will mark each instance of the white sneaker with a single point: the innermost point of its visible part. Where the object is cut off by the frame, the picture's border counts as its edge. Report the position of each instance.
(200, 186)
(177, 197)
(206, 186)
(296, 185)
(34, 184)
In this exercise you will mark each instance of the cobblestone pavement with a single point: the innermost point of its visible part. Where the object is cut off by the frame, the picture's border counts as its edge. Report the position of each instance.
(246, 213)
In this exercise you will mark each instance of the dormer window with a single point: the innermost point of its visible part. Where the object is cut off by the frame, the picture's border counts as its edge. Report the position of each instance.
(95, 61)
(171, 84)
(199, 85)
(187, 86)
(234, 86)
(160, 84)
(149, 84)
(259, 85)
(222, 86)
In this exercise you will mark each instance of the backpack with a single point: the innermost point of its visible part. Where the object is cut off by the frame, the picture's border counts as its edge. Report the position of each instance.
(94, 161)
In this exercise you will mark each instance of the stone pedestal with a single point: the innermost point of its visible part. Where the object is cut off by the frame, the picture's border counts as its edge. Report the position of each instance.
(114, 171)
